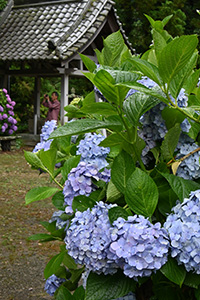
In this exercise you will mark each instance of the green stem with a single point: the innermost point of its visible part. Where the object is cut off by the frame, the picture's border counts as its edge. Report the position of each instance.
(53, 178)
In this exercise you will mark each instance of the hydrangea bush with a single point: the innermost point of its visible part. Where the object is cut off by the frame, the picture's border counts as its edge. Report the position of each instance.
(7, 120)
(127, 203)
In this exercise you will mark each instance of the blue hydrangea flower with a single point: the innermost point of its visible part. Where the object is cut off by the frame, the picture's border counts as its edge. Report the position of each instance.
(47, 129)
(91, 152)
(52, 284)
(142, 245)
(79, 182)
(183, 226)
(189, 167)
(88, 239)
(59, 222)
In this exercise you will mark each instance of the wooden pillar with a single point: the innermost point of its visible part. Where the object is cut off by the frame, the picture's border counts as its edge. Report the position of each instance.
(64, 101)
(37, 103)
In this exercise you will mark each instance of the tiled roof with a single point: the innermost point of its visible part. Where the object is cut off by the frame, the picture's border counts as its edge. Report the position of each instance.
(53, 30)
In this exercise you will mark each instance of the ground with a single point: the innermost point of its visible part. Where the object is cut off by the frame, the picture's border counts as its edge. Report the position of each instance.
(22, 262)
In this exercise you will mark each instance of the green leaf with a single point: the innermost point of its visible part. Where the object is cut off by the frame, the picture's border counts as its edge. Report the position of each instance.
(175, 56)
(141, 88)
(112, 140)
(53, 265)
(33, 160)
(106, 287)
(192, 280)
(192, 81)
(58, 200)
(159, 41)
(170, 142)
(136, 105)
(100, 108)
(180, 186)
(70, 163)
(141, 193)
(172, 116)
(63, 294)
(48, 158)
(81, 203)
(115, 212)
(79, 293)
(183, 76)
(41, 237)
(90, 64)
(40, 193)
(112, 193)
(147, 69)
(111, 53)
(69, 262)
(173, 271)
(76, 274)
(122, 168)
(87, 125)
(89, 99)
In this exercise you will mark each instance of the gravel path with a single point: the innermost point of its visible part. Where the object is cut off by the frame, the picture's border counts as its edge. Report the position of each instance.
(22, 262)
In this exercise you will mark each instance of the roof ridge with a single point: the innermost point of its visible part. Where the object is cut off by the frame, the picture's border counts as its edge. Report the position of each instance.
(53, 2)
(74, 26)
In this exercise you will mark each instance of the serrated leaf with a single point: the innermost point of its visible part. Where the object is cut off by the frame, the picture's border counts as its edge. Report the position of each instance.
(90, 64)
(122, 168)
(147, 69)
(170, 142)
(106, 287)
(58, 200)
(40, 193)
(174, 272)
(33, 160)
(41, 237)
(82, 203)
(112, 193)
(175, 56)
(180, 186)
(172, 116)
(53, 265)
(48, 158)
(115, 212)
(136, 105)
(101, 108)
(192, 280)
(63, 294)
(141, 193)
(87, 125)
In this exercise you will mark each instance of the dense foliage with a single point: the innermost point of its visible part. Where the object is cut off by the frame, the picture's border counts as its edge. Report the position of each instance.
(128, 203)
(184, 12)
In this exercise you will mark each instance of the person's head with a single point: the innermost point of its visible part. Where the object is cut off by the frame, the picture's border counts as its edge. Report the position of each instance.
(54, 96)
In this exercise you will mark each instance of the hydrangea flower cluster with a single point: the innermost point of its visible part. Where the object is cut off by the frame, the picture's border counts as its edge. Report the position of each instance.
(60, 223)
(183, 226)
(88, 239)
(91, 152)
(142, 245)
(189, 167)
(79, 182)
(47, 129)
(7, 120)
(52, 284)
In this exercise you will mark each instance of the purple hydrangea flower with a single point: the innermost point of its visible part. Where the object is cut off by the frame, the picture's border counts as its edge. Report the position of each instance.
(91, 152)
(59, 222)
(1, 108)
(47, 129)
(183, 226)
(88, 239)
(79, 182)
(5, 91)
(10, 131)
(5, 116)
(52, 284)
(189, 167)
(142, 245)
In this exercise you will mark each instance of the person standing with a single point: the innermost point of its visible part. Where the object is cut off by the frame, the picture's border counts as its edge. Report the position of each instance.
(53, 105)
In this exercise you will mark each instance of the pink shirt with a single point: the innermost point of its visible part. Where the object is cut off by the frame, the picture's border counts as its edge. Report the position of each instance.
(54, 109)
